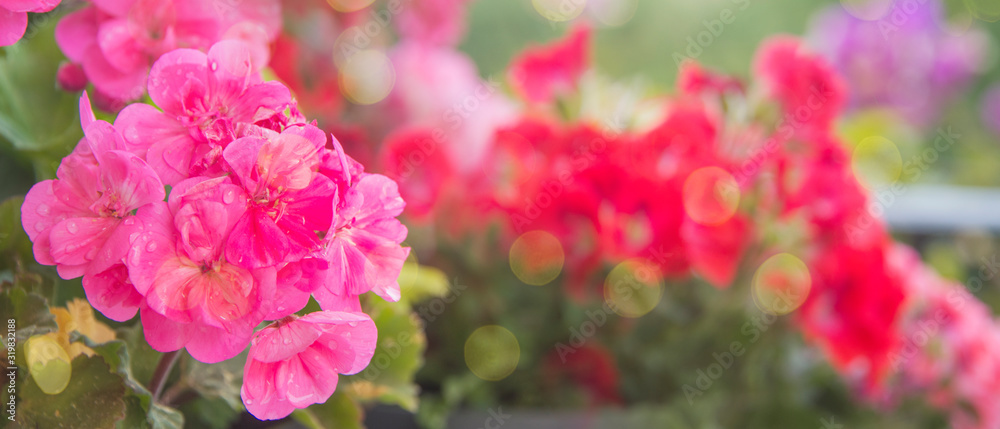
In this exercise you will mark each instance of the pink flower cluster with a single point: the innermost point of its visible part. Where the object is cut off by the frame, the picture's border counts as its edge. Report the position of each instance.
(113, 43)
(264, 210)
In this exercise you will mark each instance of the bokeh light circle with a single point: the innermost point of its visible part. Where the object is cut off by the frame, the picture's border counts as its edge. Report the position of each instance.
(633, 288)
(349, 5)
(492, 352)
(613, 13)
(559, 10)
(868, 10)
(781, 284)
(876, 162)
(711, 196)
(367, 77)
(537, 257)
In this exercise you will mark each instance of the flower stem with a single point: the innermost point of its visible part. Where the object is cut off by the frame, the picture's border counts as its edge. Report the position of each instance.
(161, 373)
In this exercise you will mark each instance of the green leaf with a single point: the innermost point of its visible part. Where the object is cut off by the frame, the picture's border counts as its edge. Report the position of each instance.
(135, 414)
(339, 412)
(14, 243)
(29, 311)
(222, 380)
(119, 355)
(94, 398)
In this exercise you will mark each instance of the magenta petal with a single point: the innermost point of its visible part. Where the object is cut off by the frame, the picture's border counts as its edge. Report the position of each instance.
(241, 155)
(162, 334)
(171, 159)
(261, 101)
(119, 47)
(77, 32)
(112, 294)
(12, 26)
(256, 241)
(103, 137)
(229, 61)
(315, 378)
(288, 300)
(329, 301)
(86, 112)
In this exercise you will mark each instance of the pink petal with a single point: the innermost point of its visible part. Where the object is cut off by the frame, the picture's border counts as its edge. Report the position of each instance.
(241, 155)
(86, 112)
(171, 158)
(350, 337)
(260, 101)
(256, 241)
(312, 378)
(112, 294)
(178, 79)
(142, 125)
(209, 344)
(77, 32)
(12, 26)
(259, 391)
(381, 198)
(71, 77)
(288, 300)
(329, 301)
(130, 180)
(229, 61)
(256, 38)
(283, 340)
(77, 241)
(111, 81)
(36, 6)
(119, 47)
(102, 137)
(117, 8)
(162, 334)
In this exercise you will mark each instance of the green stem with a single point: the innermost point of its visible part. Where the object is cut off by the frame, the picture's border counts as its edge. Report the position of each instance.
(162, 372)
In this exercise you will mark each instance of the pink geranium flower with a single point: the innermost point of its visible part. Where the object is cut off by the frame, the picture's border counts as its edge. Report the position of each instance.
(14, 17)
(83, 221)
(294, 362)
(362, 246)
(542, 73)
(192, 291)
(116, 41)
(289, 199)
(208, 100)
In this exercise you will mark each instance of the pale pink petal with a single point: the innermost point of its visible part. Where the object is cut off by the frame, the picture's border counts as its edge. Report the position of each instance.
(311, 375)
(256, 38)
(229, 62)
(12, 26)
(350, 337)
(330, 301)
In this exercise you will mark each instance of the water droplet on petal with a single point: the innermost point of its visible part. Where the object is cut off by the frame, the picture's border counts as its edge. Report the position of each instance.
(72, 227)
(40, 226)
(214, 66)
(286, 341)
(43, 210)
(130, 220)
(133, 236)
(228, 196)
(151, 246)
